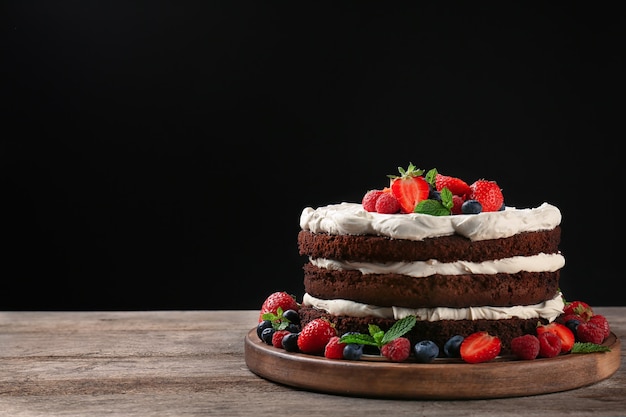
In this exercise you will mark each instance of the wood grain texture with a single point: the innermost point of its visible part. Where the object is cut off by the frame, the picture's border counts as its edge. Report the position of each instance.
(192, 363)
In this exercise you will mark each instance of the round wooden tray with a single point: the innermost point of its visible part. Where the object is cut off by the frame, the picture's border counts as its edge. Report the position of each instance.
(441, 379)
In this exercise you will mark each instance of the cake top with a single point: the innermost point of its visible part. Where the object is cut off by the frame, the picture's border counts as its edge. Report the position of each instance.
(417, 206)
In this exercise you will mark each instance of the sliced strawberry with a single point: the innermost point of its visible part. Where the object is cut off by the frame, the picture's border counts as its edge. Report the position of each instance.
(488, 193)
(480, 347)
(409, 188)
(562, 331)
(579, 308)
(456, 185)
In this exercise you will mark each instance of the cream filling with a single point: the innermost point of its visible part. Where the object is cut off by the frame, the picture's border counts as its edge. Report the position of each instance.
(549, 310)
(536, 263)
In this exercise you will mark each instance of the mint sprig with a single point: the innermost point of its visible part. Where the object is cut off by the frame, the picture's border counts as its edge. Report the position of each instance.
(580, 347)
(278, 321)
(378, 337)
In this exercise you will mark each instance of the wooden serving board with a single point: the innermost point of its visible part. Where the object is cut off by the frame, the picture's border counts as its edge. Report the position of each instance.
(442, 379)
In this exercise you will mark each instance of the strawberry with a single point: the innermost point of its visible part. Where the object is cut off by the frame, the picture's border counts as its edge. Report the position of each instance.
(579, 308)
(488, 194)
(456, 185)
(587, 332)
(562, 331)
(369, 200)
(315, 335)
(278, 299)
(564, 318)
(549, 344)
(409, 188)
(480, 347)
(601, 321)
(334, 348)
(277, 338)
(397, 350)
(387, 203)
(525, 347)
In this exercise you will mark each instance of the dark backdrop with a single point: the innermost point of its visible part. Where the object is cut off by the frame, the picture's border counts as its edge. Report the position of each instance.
(158, 156)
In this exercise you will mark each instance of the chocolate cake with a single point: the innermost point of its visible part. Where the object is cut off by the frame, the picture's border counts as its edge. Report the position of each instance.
(458, 273)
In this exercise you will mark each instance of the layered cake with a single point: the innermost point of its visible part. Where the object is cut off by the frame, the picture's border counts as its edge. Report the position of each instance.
(452, 254)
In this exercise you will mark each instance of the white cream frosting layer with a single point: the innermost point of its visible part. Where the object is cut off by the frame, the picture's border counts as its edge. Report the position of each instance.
(352, 219)
(536, 263)
(549, 310)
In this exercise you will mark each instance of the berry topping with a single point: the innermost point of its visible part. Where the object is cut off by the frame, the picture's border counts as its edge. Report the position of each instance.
(525, 347)
(456, 185)
(601, 322)
(290, 342)
(452, 347)
(488, 194)
(353, 351)
(315, 335)
(369, 200)
(334, 348)
(549, 344)
(580, 308)
(387, 204)
(276, 300)
(562, 331)
(397, 350)
(426, 351)
(480, 347)
(277, 338)
(471, 207)
(588, 332)
(409, 188)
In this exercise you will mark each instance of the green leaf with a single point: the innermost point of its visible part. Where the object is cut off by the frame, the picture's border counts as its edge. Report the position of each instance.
(359, 339)
(580, 347)
(399, 328)
(431, 176)
(431, 207)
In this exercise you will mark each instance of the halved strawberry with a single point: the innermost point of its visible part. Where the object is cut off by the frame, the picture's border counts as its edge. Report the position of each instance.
(278, 299)
(456, 185)
(488, 194)
(579, 308)
(562, 331)
(409, 188)
(480, 347)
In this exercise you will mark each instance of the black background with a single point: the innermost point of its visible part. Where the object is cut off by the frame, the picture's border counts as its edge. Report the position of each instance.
(158, 155)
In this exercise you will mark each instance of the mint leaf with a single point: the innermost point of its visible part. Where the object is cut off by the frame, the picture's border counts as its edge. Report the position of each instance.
(359, 339)
(580, 347)
(431, 207)
(399, 328)
(446, 198)
(431, 176)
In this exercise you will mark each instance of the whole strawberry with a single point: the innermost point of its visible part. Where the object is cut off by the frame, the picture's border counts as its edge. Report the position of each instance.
(278, 299)
(488, 194)
(580, 308)
(334, 348)
(315, 335)
(456, 185)
(398, 350)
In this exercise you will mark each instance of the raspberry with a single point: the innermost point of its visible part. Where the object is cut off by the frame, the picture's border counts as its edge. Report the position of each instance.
(277, 338)
(457, 202)
(525, 347)
(397, 350)
(334, 348)
(387, 204)
(601, 321)
(369, 200)
(589, 332)
(549, 345)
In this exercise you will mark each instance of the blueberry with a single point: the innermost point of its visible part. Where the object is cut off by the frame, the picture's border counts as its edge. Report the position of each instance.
(262, 326)
(471, 207)
(353, 351)
(290, 342)
(292, 316)
(572, 324)
(452, 347)
(293, 328)
(426, 351)
(266, 335)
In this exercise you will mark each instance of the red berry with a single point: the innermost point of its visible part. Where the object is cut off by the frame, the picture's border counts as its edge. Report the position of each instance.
(457, 202)
(278, 299)
(277, 338)
(369, 200)
(315, 335)
(549, 344)
(334, 348)
(601, 321)
(564, 318)
(525, 347)
(387, 204)
(588, 332)
(579, 308)
(409, 188)
(488, 194)
(562, 331)
(456, 185)
(480, 347)
(398, 350)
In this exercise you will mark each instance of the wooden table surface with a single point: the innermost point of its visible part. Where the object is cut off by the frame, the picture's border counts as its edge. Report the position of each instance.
(191, 363)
